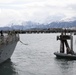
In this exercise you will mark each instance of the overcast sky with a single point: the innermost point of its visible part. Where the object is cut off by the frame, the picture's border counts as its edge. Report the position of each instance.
(43, 11)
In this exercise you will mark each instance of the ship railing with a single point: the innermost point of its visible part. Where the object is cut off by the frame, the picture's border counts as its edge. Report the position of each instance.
(9, 38)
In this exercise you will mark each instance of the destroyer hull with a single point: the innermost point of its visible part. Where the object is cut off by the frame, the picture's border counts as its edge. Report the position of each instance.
(65, 56)
(6, 51)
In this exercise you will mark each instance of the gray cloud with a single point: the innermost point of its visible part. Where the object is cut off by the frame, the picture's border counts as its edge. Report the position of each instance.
(72, 7)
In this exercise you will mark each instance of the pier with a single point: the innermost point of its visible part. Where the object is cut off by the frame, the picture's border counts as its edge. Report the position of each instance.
(50, 30)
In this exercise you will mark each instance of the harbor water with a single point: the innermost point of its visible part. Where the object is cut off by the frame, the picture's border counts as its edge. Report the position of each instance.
(34, 56)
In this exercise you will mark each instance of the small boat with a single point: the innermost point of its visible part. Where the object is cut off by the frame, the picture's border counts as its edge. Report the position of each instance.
(65, 56)
(68, 53)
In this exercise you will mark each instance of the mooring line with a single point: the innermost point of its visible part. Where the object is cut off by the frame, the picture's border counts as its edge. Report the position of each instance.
(23, 43)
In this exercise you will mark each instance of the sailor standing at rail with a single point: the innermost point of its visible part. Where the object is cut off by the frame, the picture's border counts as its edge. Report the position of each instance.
(1, 33)
(1, 37)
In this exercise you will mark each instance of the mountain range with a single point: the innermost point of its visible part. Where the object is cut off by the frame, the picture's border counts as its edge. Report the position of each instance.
(31, 25)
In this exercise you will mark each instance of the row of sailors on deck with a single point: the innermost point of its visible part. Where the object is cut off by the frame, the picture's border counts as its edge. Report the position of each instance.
(9, 32)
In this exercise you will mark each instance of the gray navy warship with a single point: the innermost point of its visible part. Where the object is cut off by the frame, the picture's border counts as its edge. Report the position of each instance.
(8, 42)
